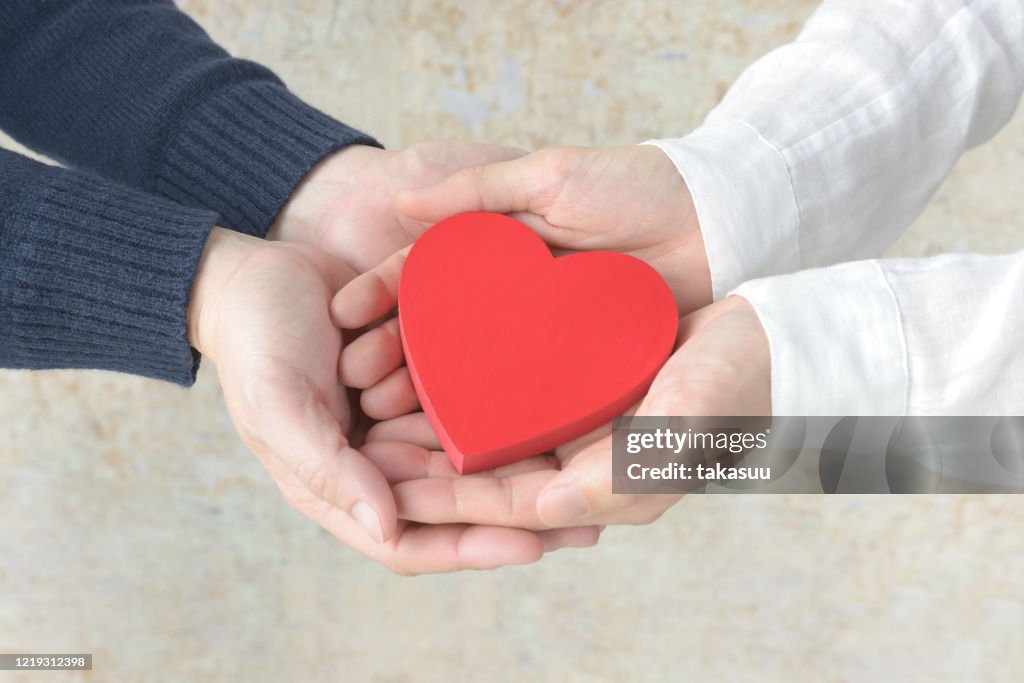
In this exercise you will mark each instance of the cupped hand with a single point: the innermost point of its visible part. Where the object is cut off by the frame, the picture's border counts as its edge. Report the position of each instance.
(626, 199)
(721, 366)
(346, 204)
(259, 311)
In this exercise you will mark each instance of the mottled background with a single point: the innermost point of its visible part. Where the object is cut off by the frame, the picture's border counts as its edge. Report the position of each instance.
(135, 526)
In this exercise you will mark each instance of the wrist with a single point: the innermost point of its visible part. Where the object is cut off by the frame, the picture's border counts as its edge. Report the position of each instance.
(302, 218)
(744, 198)
(690, 266)
(223, 256)
(686, 264)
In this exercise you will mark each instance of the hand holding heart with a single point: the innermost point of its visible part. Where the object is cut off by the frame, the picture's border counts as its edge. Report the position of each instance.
(720, 368)
(259, 311)
(630, 200)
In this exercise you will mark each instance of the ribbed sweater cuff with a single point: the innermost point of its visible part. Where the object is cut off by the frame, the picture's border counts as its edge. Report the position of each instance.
(94, 275)
(243, 150)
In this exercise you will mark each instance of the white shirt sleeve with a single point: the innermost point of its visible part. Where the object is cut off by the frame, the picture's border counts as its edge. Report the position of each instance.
(935, 336)
(826, 149)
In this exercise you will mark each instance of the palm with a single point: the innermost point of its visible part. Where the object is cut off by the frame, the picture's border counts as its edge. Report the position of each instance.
(280, 378)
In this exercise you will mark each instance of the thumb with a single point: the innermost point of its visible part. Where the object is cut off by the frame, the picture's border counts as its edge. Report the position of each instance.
(523, 184)
(582, 490)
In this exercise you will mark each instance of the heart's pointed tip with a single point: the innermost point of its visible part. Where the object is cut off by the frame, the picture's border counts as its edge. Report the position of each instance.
(458, 462)
(481, 461)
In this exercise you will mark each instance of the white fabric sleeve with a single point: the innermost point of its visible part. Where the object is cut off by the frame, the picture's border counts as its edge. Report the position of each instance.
(826, 149)
(935, 336)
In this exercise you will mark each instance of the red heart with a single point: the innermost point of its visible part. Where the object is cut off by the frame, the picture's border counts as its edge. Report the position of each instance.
(513, 352)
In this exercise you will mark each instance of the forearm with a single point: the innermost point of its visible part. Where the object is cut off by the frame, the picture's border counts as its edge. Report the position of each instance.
(828, 148)
(936, 336)
(94, 275)
(137, 92)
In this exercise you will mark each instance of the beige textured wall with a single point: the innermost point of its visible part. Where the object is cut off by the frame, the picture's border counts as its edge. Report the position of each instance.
(133, 525)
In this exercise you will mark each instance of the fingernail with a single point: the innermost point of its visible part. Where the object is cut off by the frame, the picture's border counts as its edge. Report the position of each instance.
(367, 518)
(564, 504)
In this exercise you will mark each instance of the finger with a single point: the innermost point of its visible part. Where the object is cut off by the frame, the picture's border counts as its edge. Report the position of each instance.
(432, 549)
(534, 464)
(429, 549)
(399, 461)
(372, 356)
(414, 428)
(446, 158)
(498, 501)
(392, 396)
(418, 549)
(561, 239)
(583, 489)
(369, 296)
(519, 185)
(570, 537)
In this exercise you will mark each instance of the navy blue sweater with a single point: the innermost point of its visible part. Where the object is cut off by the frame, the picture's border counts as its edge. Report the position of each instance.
(164, 135)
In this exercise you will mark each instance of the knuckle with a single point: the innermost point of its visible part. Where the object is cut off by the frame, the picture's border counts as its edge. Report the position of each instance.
(315, 477)
(509, 498)
(557, 163)
(416, 159)
(471, 175)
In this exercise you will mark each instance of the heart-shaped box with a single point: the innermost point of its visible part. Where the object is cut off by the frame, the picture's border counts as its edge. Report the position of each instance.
(512, 351)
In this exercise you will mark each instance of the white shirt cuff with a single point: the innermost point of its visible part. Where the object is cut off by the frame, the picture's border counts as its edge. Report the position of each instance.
(836, 339)
(744, 201)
